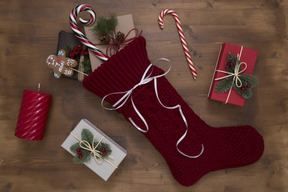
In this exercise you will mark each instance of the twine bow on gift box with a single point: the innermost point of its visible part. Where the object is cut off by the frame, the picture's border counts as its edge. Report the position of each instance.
(118, 42)
(242, 82)
(92, 148)
(115, 46)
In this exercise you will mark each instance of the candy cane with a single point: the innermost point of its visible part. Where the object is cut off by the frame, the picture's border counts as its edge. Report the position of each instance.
(182, 37)
(79, 34)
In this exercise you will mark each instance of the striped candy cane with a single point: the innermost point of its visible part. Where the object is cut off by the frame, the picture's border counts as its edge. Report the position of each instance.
(182, 37)
(79, 34)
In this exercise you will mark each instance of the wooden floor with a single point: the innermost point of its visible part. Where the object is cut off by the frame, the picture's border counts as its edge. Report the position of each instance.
(29, 33)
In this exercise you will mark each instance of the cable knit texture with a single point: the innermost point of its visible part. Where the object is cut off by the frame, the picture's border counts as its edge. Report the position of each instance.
(224, 147)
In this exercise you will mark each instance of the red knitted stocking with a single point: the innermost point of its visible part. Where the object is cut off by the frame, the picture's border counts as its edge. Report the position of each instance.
(209, 148)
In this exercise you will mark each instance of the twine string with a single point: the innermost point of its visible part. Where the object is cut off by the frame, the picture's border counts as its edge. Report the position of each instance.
(237, 72)
(93, 149)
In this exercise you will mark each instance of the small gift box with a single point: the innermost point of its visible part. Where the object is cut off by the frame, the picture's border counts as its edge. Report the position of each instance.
(75, 50)
(232, 80)
(94, 149)
(125, 25)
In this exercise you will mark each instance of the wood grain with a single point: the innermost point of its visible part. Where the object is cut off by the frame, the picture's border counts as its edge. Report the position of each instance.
(29, 33)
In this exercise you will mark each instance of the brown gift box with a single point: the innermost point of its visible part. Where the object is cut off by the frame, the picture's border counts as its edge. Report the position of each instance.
(125, 24)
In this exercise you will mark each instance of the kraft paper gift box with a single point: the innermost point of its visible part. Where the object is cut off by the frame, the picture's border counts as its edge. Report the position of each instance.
(104, 170)
(248, 56)
(125, 24)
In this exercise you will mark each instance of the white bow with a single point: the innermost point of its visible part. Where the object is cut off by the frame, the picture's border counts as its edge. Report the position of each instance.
(128, 94)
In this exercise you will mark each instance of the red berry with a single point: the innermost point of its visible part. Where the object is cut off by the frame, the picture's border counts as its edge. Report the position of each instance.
(248, 86)
(242, 88)
(230, 64)
(76, 52)
(103, 151)
(78, 149)
(79, 153)
(80, 156)
(72, 55)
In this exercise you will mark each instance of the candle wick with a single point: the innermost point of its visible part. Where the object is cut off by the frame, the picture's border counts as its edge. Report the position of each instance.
(38, 87)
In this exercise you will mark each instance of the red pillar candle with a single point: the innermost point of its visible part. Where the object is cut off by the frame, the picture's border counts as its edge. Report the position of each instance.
(33, 115)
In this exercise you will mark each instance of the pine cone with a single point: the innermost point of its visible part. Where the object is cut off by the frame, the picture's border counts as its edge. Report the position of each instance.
(120, 36)
(104, 39)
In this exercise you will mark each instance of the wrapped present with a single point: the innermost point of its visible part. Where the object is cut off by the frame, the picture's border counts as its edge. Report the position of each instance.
(75, 50)
(125, 26)
(232, 80)
(94, 149)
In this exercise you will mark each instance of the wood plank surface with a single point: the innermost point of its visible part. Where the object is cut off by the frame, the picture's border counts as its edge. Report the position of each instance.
(29, 33)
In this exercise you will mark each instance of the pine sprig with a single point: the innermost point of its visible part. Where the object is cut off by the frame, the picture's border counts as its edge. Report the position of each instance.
(246, 93)
(105, 153)
(87, 135)
(224, 85)
(87, 65)
(83, 155)
(67, 48)
(233, 60)
(105, 26)
(249, 79)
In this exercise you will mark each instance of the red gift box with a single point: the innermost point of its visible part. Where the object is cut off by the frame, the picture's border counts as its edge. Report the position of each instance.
(246, 55)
